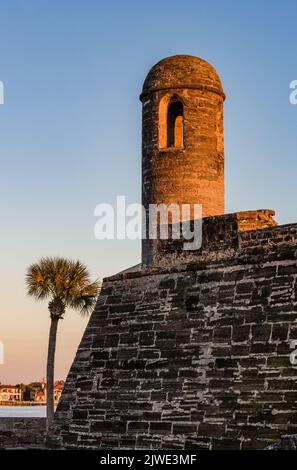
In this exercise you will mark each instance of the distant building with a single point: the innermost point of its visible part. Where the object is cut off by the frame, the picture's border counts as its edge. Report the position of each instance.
(40, 396)
(39, 391)
(58, 388)
(10, 393)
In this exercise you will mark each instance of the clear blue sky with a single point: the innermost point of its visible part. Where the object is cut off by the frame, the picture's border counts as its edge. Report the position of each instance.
(70, 132)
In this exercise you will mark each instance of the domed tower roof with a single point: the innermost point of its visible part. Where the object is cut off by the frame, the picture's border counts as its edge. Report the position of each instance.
(182, 71)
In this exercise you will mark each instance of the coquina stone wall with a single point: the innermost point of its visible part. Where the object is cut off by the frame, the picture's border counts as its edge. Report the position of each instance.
(22, 433)
(194, 356)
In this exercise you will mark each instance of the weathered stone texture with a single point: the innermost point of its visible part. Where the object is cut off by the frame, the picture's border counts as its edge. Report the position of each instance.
(22, 433)
(255, 220)
(286, 443)
(192, 357)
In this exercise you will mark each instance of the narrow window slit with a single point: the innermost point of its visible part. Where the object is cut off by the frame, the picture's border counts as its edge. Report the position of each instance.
(175, 115)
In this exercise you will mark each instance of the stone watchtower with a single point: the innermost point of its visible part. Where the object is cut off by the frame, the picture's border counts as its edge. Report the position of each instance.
(182, 137)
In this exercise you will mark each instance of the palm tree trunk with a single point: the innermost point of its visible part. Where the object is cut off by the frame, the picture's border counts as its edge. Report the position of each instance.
(50, 372)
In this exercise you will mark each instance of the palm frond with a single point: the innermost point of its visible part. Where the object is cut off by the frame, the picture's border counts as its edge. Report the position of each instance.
(63, 279)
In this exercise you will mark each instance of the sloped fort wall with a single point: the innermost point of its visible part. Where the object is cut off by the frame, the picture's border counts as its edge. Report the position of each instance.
(193, 355)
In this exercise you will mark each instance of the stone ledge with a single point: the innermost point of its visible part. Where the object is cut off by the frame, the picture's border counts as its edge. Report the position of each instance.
(255, 220)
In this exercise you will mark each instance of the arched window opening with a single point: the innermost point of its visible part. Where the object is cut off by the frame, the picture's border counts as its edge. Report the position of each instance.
(175, 124)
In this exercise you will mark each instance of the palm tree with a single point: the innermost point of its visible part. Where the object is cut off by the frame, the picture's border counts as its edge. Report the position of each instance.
(65, 283)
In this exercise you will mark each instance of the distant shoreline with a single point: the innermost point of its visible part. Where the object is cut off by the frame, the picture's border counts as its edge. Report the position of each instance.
(22, 403)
